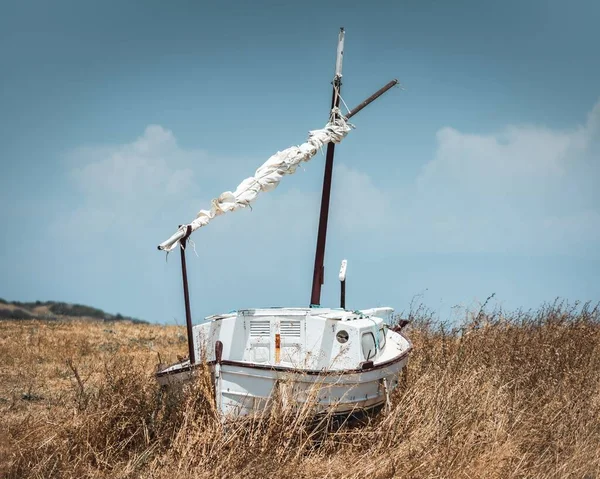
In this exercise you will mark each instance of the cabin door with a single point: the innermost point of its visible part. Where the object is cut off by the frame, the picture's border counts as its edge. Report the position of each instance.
(260, 341)
(289, 342)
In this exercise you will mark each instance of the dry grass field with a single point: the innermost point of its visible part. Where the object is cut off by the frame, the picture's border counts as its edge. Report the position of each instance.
(503, 395)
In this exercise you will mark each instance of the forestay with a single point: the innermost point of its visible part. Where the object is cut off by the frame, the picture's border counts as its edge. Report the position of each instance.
(267, 177)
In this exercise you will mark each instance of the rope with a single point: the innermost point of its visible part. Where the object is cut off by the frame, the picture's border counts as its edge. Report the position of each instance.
(193, 245)
(343, 102)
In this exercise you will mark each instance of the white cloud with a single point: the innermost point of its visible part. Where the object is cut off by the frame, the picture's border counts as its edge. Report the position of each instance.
(123, 189)
(357, 201)
(149, 164)
(516, 190)
(525, 189)
(522, 156)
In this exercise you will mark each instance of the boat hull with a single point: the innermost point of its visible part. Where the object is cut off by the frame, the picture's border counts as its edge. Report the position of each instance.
(243, 389)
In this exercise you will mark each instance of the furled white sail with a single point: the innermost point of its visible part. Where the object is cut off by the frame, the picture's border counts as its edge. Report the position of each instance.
(267, 177)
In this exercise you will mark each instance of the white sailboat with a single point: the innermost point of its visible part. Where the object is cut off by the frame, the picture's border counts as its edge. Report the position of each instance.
(342, 362)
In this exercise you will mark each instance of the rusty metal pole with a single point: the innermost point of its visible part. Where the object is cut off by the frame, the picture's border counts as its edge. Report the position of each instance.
(318, 273)
(372, 98)
(186, 297)
(218, 386)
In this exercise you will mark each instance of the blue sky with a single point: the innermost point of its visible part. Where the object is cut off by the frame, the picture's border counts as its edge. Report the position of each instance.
(119, 121)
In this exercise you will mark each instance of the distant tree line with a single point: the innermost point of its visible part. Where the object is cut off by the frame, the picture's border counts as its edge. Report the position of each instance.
(26, 310)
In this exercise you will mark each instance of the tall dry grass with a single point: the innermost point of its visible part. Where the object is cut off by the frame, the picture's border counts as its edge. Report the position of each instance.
(503, 395)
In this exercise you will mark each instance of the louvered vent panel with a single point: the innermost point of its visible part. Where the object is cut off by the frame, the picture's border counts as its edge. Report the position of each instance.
(290, 329)
(260, 328)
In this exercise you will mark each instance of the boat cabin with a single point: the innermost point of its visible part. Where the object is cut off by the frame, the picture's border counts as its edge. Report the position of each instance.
(314, 339)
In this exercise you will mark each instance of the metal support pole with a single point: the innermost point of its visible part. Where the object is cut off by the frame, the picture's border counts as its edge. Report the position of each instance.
(318, 272)
(342, 277)
(372, 98)
(186, 297)
(218, 383)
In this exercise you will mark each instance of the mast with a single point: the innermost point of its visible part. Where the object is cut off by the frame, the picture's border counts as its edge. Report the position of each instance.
(318, 273)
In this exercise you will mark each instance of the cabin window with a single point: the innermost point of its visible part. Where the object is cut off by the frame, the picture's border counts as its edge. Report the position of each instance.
(381, 338)
(342, 336)
(368, 346)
